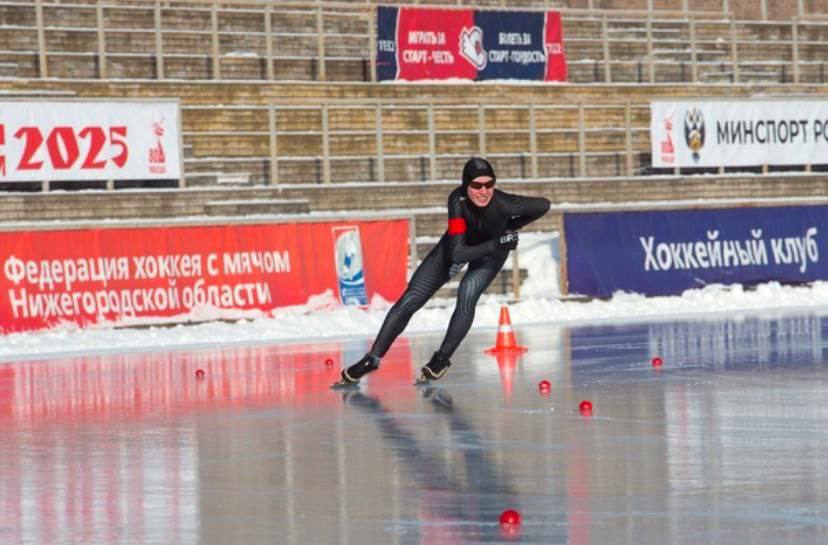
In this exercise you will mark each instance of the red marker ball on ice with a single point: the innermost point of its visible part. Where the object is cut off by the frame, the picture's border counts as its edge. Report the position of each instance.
(544, 386)
(509, 517)
(329, 362)
(199, 373)
(657, 362)
(585, 407)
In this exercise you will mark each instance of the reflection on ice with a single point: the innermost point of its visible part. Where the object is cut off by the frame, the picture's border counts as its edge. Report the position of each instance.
(750, 342)
(725, 444)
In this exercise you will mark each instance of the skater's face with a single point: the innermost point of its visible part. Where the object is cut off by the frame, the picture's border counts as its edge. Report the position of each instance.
(480, 190)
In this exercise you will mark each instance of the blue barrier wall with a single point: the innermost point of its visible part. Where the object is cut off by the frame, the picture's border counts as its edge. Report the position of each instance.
(668, 251)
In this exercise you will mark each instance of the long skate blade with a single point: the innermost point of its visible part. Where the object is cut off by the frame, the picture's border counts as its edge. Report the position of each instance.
(343, 385)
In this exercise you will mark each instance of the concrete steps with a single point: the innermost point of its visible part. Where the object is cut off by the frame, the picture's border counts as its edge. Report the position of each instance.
(244, 207)
(427, 201)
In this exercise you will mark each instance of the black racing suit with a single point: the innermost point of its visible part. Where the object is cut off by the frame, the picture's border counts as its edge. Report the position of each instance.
(470, 238)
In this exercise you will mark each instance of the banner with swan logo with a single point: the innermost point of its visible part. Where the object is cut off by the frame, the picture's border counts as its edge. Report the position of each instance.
(439, 44)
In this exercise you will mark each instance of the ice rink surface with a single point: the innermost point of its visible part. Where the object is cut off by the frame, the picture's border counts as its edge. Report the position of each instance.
(726, 444)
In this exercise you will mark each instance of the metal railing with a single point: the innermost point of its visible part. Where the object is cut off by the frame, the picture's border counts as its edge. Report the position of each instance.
(419, 141)
(327, 41)
(701, 50)
(160, 23)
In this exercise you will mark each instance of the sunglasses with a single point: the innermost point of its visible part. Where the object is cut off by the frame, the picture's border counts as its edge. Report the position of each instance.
(481, 185)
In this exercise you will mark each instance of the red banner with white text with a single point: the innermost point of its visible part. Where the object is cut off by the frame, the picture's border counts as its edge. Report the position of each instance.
(130, 275)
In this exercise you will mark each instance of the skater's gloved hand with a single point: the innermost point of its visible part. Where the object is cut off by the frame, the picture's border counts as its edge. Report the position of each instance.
(507, 240)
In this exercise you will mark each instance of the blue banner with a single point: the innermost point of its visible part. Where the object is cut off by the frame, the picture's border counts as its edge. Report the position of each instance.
(513, 43)
(386, 43)
(668, 251)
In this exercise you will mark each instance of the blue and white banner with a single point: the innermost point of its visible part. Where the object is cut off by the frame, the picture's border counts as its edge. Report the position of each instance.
(665, 252)
(710, 133)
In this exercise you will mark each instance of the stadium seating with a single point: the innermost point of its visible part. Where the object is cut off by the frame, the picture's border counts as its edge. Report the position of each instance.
(287, 126)
(326, 41)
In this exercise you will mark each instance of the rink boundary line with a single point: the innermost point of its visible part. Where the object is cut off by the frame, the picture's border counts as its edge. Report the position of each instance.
(700, 315)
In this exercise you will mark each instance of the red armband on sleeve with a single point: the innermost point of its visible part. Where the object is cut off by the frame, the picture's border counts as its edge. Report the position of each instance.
(456, 226)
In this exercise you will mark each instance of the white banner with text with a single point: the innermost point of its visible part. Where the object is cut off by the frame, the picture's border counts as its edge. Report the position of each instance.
(739, 133)
(73, 140)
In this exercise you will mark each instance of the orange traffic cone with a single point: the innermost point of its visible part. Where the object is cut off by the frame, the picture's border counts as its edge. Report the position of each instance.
(506, 341)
